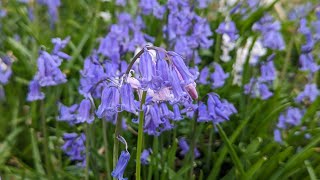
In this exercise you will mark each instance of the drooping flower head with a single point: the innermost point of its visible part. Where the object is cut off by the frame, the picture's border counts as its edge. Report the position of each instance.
(74, 147)
(121, 165)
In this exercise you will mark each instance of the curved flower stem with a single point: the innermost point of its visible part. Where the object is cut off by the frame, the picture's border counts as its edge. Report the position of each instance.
(134, 59)
(106, 148)
(140, 136)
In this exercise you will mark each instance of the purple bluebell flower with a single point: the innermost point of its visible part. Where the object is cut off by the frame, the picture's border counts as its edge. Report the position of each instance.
(185, 148)
(218, 110)
(159, 11)
(268, 71)
(218, 76)
(300, 11)
(277, 135)
(127, 98)
(162, 69)
(121, 165)
(145, 156)
(179, 94)
(310, 92)
(92, 77)
(152, 120)
(152, 6)
(121, 2)
(109, 102)
(316, 26)
(271, 37)
(68, 114)
(203, 115)
(204, 74)
(307, 63)
(49, 73)
(146, 68)
(165, 112)
(84, 112)
(34, 91)
(176, 112)
(292, 116)
(5, 69)
(203, 3)
(228, 28)
(264, 91)
(182, 69)
(53, 6)
(74, 147)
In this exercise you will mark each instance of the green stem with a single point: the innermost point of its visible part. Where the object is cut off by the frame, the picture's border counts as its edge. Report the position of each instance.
(232, 152)
(140, 136)
(106, 149)
(116, 142)
(86, 171)
(46, 139)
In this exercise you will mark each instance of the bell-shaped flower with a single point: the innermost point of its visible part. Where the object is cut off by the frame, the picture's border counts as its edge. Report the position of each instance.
(121, 165)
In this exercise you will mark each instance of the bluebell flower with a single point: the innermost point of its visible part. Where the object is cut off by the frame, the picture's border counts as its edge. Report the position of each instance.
(182, 69)
(256, 89)
(146, 68)
(53, 6)
(121, 2)
(277, 135)
(264, 91)
(92, 76)
(179, 94)
(35, 91)
(74, 147)
(218, 76)
(203, 3)
(203, 115)
(145, 156)
(176, 112)
(121, 165)
(152, 120)
(109, 102)
(268, 71)
(204, 74)
(300, 11)
(307, 63)
(84, 112)
(152, 6)
(185, 148)
(165, 112)
(5, 69)
(49, 73)
(292, 117)
(127, 98)
(162, 69)
(310, 93)
(229, 28)
(271, 37)
(218, 110)
(68, 114)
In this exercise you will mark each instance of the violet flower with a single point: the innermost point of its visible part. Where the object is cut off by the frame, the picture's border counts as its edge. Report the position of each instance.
(121, 165)
(74, 147)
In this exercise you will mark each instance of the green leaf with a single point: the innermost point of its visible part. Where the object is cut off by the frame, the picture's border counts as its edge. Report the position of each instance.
(231, 150)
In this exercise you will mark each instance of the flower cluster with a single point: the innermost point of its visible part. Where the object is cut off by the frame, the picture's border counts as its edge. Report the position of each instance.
(74, 147)
(48, 73)
(258, 87)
